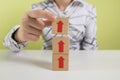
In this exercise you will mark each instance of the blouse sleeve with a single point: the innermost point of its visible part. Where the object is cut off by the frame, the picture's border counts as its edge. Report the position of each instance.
(11, 44)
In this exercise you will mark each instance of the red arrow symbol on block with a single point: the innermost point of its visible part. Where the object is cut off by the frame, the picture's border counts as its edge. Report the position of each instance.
(60, 26)
(61, 62)
(61, 46)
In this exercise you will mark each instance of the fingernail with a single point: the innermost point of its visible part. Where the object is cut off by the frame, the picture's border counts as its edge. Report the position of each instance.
(55, 17)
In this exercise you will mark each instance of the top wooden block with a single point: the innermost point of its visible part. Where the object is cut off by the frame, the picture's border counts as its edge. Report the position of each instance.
(60, 26)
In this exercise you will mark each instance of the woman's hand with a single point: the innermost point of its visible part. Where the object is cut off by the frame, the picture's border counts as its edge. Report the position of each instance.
(31, 25)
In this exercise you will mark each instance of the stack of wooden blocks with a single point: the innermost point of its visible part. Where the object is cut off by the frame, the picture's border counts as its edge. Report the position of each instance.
(60, 45)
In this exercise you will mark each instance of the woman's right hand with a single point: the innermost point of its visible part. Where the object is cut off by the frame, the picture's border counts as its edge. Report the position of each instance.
(31, 26)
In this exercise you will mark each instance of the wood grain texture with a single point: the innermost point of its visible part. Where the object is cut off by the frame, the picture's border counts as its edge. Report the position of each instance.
(65, 25)
(56, 63)
(56, 42)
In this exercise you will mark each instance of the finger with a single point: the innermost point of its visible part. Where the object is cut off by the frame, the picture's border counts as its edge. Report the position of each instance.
(24, 20)
(31, 37)
(47, 23)
(36, 24)
(33, 30)
(38, 13)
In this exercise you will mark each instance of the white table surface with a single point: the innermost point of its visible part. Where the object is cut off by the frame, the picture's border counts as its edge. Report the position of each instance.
(36, 65)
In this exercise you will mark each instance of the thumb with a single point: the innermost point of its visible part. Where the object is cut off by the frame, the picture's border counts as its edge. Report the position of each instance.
(47, 23)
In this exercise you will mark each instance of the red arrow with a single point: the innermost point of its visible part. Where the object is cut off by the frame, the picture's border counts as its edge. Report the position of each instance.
(61, 62)
(61, 46)
(60, 26)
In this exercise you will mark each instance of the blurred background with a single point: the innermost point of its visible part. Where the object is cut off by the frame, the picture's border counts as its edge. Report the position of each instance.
(108, 21)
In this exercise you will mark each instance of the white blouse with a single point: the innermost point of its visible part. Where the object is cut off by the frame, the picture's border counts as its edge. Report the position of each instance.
(82, 26)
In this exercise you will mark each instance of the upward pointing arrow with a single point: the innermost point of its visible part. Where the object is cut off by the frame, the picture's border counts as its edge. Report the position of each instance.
(61, 46)
(60, 26)
(61, 62)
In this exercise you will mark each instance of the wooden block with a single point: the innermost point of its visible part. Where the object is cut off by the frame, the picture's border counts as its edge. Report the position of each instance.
(60, 62)
(60, 45)
(60, 26)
